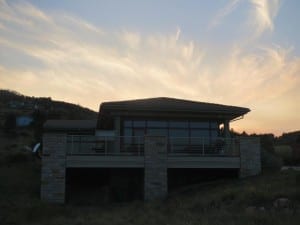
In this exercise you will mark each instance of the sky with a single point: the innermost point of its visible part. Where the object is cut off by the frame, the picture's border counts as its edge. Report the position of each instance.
(234, 52)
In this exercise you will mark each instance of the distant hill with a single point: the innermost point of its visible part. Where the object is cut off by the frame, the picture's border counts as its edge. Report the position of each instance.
(19, 104)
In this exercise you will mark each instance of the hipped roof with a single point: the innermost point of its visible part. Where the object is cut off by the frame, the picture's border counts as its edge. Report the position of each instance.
(170, 106)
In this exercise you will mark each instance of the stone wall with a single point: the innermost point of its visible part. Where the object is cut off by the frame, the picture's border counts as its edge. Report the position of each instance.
(155, 174)
(53, 167)
(250, 156)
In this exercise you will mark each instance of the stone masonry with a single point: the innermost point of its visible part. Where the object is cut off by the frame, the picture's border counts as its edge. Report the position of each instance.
(250, 156)
(155, 174)
(53, 167)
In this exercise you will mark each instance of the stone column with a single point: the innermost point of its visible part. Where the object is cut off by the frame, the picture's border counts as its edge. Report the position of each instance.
(250, 156)
(117, 128)
(53, 172)
(155, 174)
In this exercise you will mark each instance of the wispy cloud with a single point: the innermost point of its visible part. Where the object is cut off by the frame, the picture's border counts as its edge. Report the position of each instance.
(262, 15)
(79, 62)
(222, 13)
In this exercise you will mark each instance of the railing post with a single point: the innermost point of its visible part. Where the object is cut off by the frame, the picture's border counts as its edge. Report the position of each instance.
(203, 146)
(139, 145)
(105, 145)
(72, 145)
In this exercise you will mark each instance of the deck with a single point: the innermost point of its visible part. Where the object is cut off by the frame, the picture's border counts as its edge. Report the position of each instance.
(108, 152)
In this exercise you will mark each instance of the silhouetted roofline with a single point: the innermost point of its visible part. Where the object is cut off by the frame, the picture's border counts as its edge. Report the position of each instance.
(168, 106)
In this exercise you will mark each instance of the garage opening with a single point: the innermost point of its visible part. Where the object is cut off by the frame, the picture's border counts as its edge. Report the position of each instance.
(96, 186)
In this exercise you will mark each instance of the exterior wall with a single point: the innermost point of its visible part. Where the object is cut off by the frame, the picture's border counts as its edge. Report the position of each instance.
(250, 156)
(155, 174)
(53, 167)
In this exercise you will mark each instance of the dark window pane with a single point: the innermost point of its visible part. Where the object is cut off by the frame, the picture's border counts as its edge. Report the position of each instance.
(127, 123)
(214, 125)
(199, 125)
(139, 123)
(155, 123)
(178, 124)
(127, 132)
(214, 133)
(138, 132)
(157, 131)
(178, 132)
(199, 136)
(127, 139)
(199, 133)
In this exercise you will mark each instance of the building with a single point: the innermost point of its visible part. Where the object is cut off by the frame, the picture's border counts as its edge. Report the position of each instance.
(154, 134)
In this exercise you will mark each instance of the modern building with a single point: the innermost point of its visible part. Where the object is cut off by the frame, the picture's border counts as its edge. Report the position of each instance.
(153, 134)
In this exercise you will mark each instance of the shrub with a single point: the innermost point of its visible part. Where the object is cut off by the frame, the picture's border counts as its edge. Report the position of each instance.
(18, 157)
(285, 152)
(270, 160)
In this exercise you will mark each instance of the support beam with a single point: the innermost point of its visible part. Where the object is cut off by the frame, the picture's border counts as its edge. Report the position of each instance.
(155, 174)
(53, 167)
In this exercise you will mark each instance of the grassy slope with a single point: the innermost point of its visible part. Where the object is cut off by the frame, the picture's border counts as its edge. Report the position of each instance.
(225, 203)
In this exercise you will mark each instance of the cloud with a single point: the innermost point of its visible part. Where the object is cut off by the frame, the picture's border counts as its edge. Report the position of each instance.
(225, 11)
(79, 62)
(263, 14)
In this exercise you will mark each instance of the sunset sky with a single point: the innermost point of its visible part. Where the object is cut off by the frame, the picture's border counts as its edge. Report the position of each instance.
(235, 52)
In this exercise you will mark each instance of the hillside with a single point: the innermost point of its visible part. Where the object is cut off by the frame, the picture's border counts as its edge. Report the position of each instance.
(14, 102)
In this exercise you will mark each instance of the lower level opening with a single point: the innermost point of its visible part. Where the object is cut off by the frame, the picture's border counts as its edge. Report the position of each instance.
(96, 186)
(184, 178)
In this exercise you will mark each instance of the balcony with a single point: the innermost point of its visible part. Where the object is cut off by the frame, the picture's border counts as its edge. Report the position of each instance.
(128, 152)
(134, 146)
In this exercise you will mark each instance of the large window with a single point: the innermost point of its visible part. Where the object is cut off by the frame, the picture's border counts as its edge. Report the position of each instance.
(180, 134)
(171, 129)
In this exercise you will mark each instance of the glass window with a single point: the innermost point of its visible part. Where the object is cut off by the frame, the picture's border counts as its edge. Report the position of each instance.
(127, 132)
(178, 132)
(214, 133)
(157, 123)
(157, 131)
(214, 125)
(199, 133)
(138, 132)
(139, 123)
(127, 123)
(199, 125)
(178, 124)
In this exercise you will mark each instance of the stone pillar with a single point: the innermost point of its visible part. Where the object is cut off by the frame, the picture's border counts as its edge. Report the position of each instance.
(250, 156)
(117, 128)
(155, 174)
(53, 172)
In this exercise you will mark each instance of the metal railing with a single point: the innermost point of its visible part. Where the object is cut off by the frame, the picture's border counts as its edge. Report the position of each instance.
(203, 146)
(94, 145)
(134, 145)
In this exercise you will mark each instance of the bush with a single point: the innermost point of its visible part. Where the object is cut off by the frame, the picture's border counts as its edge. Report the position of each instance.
(285, 152)
(270, 160)
(18, 157)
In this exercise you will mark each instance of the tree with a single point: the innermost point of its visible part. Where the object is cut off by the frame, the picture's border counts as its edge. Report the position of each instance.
(10, 123)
